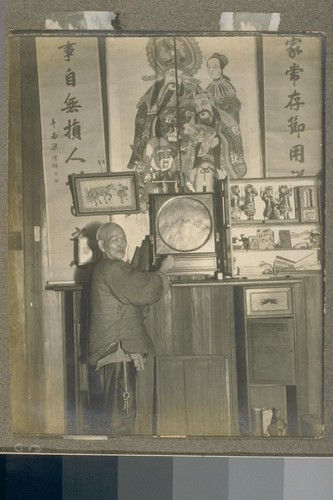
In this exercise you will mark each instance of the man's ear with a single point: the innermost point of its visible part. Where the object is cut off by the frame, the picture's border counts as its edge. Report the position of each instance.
(101, 245)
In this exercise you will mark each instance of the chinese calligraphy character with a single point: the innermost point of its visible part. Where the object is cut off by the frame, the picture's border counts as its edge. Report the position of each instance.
(73, 129)
(294, 46)
(70, 78)
(71, 157)
(54, 146)
(71, 104)
(297, 153)
(53, 123)
(295, 101)
(68, 50)
(294, 72)
(295, 127)
(54, 135)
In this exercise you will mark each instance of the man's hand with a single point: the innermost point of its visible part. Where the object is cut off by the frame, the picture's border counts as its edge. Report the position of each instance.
(167, 264)
(138, 360)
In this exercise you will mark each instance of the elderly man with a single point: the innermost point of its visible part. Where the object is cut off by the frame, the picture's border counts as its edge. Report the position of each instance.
(118, 339)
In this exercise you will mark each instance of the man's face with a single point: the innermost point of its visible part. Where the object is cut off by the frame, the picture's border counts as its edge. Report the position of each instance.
(114, 244)
(204, 109)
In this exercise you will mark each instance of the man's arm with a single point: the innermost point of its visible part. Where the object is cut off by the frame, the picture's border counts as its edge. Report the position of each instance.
(139, 288)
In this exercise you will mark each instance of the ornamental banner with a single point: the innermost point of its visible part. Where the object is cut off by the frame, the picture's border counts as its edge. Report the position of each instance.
(293, 105)
(72, 137)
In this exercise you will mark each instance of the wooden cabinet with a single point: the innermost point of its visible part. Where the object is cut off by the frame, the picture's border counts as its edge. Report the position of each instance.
(275, 345)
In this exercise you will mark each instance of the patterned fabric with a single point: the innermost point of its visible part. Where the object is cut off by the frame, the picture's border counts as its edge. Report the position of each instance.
(224, 97)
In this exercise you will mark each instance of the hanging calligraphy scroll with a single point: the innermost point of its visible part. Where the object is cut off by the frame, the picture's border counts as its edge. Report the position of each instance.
(293, 105)
(72, 136)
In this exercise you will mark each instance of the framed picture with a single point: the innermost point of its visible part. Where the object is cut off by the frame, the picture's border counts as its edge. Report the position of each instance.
(107, 193)
(183, 225)
(267, 301)
(308, 204)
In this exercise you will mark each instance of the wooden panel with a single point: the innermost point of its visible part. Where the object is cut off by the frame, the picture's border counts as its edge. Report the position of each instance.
(160, 325)
(181, 320)
(15, 255)
(32, 212)
(207, 401)
(53, 364)
(223, 339)
(195, 321)
(241, 361)
(171, 409)
(201, 328)
(314, 335)
(302, 347)
(271, 351)
(193, 396)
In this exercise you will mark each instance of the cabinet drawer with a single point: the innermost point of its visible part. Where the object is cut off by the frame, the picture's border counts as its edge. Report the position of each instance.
(268, 301)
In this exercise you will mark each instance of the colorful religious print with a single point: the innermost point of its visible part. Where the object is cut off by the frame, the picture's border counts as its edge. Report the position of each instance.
(156, 89)
(72, 135)
(181, 113)
(293, 105)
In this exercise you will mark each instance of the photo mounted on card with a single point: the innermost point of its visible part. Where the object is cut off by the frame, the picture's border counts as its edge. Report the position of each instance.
(176, 287)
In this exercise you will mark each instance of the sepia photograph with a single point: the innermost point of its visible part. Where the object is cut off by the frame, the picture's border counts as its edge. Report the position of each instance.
(166, 234)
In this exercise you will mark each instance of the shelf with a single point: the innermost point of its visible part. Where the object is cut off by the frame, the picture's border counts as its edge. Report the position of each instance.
(275, 250)
(262, 222)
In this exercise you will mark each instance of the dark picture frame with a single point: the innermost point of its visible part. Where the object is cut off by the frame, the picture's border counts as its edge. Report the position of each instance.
(106, 193)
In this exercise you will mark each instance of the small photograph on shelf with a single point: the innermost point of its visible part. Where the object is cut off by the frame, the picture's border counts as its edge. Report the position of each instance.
(265, 239)
(308, 203)
(305, 238)
(253, 242)
(285, 239)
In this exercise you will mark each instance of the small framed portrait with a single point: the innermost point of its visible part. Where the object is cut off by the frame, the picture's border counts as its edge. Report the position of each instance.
(253, 243)
(105, 193)
(308, 204)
